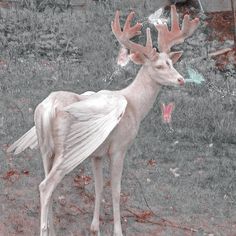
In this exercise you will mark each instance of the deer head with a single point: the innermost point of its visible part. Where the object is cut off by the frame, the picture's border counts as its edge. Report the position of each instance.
(158, 65)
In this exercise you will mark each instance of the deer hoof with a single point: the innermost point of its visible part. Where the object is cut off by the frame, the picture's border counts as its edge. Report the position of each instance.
(44, 231)
(95, 233)
(94, 229)
(118, 233)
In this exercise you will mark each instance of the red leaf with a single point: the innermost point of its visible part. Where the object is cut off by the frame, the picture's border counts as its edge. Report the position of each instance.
(82, 180)
(25, 172)
(152, 162)
(11, 174)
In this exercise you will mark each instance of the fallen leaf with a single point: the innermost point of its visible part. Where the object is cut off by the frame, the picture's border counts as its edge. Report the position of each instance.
(11, 175)
(82, 180)
(152, 162)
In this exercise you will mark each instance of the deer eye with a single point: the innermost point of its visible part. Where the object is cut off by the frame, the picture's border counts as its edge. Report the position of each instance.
(160, 67)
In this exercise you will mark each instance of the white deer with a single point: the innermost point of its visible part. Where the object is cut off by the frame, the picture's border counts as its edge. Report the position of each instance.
(70, 128)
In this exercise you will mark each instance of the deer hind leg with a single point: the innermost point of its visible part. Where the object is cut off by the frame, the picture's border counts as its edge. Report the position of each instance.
(47, 156)
(117, 160)
(98, 179)
(47, 164)
(46, 188)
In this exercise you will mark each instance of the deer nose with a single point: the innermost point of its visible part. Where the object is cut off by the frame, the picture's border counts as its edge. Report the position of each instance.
(180, 81)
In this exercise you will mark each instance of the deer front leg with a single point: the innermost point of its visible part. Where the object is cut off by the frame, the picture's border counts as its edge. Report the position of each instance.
(117, 160)
(98, 179)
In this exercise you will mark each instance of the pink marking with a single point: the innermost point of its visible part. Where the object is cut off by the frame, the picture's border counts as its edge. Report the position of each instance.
(167, 111)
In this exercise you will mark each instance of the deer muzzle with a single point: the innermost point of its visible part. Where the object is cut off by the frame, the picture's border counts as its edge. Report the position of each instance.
(181, 81)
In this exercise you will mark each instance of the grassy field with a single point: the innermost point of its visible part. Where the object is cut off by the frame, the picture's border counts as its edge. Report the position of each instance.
(49, 48)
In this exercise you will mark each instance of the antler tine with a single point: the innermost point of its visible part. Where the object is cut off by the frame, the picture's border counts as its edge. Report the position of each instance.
(167, 39)
(150, 50)
(129, 32)
(174, 19)
(188, 27)
(149, 38)
(115, 25)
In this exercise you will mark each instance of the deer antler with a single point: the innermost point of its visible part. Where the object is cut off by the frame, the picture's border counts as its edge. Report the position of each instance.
(128, 32)
(167, 39)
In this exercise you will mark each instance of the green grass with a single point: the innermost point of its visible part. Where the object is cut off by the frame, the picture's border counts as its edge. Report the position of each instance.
(48, 51)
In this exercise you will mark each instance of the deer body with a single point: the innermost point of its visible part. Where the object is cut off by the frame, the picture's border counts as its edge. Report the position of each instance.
(140, 96)
(72, 127)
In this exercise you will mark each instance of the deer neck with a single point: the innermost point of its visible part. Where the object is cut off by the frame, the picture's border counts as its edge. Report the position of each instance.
(141, 93)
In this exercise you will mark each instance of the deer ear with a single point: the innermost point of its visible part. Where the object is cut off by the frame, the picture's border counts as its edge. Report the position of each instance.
(137, 58)
(175, 56)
